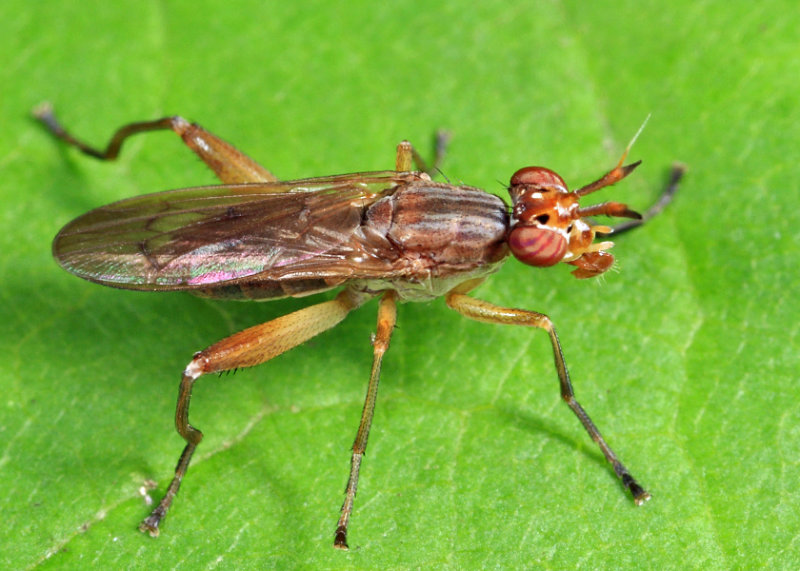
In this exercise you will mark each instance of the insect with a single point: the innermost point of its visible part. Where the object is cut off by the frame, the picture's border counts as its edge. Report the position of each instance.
(396, 235)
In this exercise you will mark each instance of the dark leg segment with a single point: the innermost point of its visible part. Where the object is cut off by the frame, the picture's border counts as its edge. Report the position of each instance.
(229, 164)
(387, 317)
(489, 313)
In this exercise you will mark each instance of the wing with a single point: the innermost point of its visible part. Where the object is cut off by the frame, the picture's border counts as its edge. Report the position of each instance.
(197, 237)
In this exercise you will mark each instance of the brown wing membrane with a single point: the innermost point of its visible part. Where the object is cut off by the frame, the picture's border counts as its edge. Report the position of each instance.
(196, 237)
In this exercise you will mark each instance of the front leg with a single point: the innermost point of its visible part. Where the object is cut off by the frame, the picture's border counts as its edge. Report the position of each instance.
(673, 182)
(489, 313)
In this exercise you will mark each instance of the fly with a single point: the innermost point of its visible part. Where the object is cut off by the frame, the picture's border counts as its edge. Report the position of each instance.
(396, 235)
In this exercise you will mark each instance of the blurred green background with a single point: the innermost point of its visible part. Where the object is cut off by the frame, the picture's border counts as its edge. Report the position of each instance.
(686, 357)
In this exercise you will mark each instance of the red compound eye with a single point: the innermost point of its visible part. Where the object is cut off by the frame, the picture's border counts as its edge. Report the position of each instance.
(538, 177)
(537, 246)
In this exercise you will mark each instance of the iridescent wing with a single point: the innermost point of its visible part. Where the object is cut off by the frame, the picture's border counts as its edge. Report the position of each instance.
(194, 238)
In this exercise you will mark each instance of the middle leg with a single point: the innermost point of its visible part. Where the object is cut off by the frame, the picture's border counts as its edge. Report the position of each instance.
(387, 317)
(489, 313)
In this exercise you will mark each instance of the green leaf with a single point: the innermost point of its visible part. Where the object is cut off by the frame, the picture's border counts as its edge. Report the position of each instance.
(686, 357)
